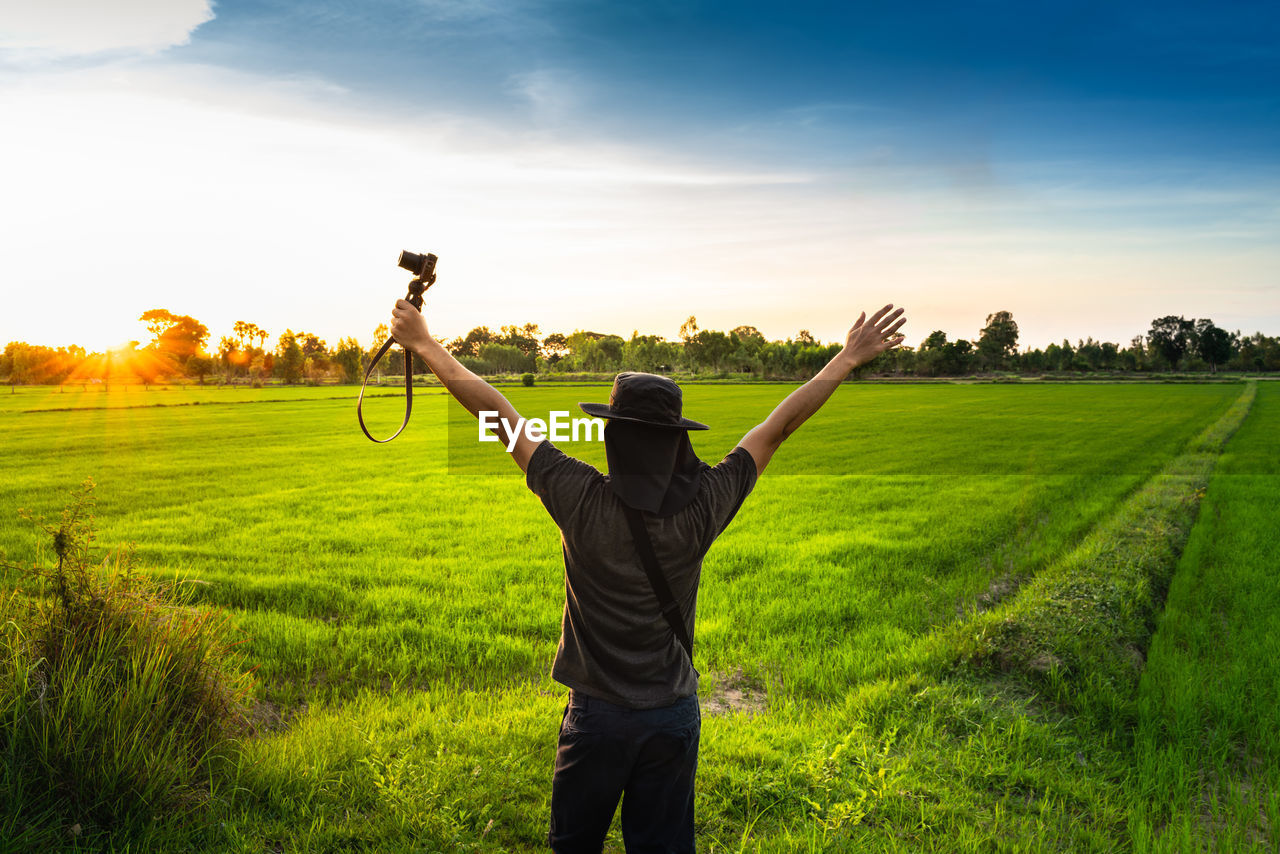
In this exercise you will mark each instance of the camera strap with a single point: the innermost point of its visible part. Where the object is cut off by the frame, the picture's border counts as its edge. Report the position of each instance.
(416, 288)
(658, 581)
(408, 391)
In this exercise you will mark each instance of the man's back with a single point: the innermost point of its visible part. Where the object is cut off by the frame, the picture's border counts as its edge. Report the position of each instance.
(616, 645)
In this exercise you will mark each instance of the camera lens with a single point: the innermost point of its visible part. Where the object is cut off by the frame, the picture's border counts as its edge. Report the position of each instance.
(411, 261)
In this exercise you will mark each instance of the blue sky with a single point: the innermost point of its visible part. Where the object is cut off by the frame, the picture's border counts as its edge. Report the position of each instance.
(620, 166)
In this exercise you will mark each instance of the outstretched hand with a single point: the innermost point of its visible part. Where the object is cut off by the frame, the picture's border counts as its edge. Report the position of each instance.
(869, 338)
(409, 327)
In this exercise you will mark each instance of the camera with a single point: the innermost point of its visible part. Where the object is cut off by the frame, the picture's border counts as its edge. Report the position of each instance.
(422, 266)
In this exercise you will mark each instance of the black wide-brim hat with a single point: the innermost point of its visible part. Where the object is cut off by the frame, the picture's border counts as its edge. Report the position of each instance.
(644, 399)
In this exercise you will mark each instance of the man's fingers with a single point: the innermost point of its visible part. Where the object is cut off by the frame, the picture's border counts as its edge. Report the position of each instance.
(861, 318)
(892, 329)
(875, 318)
(885, 321)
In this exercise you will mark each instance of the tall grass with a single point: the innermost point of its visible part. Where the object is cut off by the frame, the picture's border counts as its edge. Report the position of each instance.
(119, 704)
(1207, 745)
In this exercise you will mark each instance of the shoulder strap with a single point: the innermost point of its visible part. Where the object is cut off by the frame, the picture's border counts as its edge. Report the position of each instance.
(658, 581)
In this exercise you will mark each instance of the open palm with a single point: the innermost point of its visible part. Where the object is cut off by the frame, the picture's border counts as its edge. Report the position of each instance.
(869, 338)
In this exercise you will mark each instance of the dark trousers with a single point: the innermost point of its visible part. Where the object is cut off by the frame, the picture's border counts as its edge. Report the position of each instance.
(646, 757)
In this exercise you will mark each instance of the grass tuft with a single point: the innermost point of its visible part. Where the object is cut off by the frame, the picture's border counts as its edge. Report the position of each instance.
(119, 703)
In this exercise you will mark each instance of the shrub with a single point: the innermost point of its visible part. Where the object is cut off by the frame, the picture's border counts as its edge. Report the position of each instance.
(119, 701)
(526, 380)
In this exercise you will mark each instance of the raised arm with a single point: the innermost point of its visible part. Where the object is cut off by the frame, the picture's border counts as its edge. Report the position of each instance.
(866, 340)
(409, 328)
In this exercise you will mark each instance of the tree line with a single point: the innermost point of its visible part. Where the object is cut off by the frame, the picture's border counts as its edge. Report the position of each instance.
(178, 348)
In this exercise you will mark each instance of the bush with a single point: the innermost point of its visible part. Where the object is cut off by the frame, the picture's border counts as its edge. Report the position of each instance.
(526, 380)
(119, 702)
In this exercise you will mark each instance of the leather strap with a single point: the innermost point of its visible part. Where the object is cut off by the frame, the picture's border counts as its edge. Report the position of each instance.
(416, 289)
(408, 391)
(658, 581)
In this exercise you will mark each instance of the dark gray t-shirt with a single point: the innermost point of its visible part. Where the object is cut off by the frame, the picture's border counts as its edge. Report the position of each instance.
(615, 643)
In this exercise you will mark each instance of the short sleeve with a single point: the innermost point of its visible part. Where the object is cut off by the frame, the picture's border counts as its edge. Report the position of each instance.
(729, 482)
(560, 481)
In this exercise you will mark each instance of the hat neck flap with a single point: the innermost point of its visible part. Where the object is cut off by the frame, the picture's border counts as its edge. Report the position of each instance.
(652, 468)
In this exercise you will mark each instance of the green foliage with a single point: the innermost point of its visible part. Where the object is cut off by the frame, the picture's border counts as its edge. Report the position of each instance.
(1213, 345)
(506, 359)
(998, 341)
(289, 357)
(25, 364)
(178, 336)
(526, 380)
(1171, 337)
(349, 358)
(119, 703)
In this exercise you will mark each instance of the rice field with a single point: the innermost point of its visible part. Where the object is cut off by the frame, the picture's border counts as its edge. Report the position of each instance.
(401, 606)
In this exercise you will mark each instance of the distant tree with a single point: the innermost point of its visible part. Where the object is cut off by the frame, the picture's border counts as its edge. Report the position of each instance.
(936, 341)
(1213, 344)
(1171, 337)
(348, 357)
(778, 359)
(605, 353)
(313, 349)
(649, 353)
(246, 333)
(176, 335)
(805, 337)
(1088, 354)
(199, 366)
(523, 338)
(1110, 355)
(898, 361)
(745, 343)
(810, 358)
(1257, 352)
(579, 337)
(1135, 357)
(1031, 361)
(998, 341)
(289, 357)
(470, 344)
(957, 357)
(688, 329)
(594, 351)
(710, 348)
(506, 358)
(555, 347)
(227, 355)
(25, 363)
(930, 360)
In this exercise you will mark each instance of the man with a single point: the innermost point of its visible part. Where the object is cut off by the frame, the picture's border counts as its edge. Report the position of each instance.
(630, 731)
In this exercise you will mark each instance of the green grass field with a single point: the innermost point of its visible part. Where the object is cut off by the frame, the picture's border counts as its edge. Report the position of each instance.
(401, 604)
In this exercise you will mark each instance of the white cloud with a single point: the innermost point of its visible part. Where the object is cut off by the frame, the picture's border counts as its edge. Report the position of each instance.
(43, 29)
